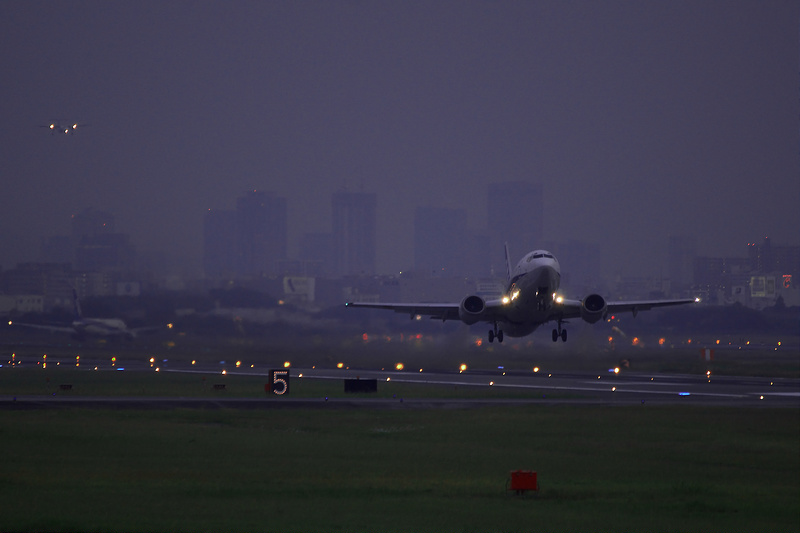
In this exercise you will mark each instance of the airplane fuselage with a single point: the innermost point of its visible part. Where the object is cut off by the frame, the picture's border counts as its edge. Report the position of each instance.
(530, 294)
(101, 327)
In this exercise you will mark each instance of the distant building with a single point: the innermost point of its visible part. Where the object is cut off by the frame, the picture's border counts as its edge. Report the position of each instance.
(317, 251)
(90, 222)
(768, 258)
(682, 250)
(98, 247)
(220, 253)
(514, 216)
(354, 232)
(580, 265)
(440, 242)
(51, 282)
(250, 241)
(261, 233)
(105, 252)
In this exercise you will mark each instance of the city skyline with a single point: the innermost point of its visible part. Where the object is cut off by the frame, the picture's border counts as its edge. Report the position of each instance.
(639, 121)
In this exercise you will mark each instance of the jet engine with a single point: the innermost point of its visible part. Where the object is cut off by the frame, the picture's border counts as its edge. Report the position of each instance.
(471, 309)
(593, 308)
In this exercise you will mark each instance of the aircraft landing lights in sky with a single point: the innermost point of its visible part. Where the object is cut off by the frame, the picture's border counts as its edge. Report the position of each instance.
(62, 127)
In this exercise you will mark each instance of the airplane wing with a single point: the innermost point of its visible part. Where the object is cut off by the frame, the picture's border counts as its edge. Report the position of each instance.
(443, 311)
(645, 305)
(572, 308)
(59, 329)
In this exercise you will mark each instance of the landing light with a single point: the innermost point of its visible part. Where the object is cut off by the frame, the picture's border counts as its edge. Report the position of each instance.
(462, 368)
(559, 299)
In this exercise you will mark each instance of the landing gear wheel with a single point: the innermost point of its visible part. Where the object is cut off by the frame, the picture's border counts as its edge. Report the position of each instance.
(563, 335)
(500, 336)
(555, 335)
(491, 335)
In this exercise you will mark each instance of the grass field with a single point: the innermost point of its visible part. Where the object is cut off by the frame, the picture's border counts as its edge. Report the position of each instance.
(601, 468)
(682, 468)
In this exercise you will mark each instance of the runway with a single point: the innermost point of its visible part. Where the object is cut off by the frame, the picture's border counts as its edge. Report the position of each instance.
(612, 388)
(501, 389)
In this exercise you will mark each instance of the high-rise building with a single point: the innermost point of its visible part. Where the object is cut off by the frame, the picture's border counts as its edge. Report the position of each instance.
(354, 232)
(98, 248)
(682, 250)
(440, 242)
(261, 232)
(250, 241)
(91, 222)
(514, 216)
(220, 255)
(317, 251)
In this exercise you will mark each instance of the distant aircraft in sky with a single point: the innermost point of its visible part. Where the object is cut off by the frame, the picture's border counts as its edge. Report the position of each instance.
(530, 300)
(63, 127)
(83, 327)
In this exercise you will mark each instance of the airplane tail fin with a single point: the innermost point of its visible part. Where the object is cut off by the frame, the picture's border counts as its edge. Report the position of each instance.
(76, 306)
(508, 264)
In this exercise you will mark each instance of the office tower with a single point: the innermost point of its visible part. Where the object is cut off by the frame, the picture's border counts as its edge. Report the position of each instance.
(514, 216)
(220, 254)
(354, 232)
(440, 242)
(682, 250)
(261, 233)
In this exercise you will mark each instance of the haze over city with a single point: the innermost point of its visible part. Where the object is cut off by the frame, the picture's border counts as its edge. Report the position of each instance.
(640, 120)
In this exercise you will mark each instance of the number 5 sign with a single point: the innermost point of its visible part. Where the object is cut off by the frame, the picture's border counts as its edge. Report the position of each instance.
(278, 382)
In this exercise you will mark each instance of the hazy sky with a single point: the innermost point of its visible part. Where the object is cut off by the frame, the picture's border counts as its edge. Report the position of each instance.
(641, 119)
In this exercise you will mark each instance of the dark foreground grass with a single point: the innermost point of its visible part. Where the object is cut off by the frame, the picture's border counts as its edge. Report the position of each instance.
(638, 468)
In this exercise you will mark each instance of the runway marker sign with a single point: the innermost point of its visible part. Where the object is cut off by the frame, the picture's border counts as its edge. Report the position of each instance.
(278, 382)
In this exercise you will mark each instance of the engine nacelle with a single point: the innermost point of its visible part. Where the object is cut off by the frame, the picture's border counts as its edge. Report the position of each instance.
(471, 309)
(593, 308)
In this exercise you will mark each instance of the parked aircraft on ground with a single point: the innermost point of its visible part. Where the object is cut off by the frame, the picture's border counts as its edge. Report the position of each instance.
(83, 327)
(530, 300)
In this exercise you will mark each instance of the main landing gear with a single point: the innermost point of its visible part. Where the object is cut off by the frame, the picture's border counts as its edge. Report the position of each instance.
(559, 333)
(495, 334)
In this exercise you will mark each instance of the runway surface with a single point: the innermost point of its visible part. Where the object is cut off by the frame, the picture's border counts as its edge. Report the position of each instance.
(513, 388)
(612, 387)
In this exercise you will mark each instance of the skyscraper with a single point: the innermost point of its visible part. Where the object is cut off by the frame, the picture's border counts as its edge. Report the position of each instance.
(682, 251)
(261, 232)
(249, 241)
(354, 232)
(220, 254)
(514, 216)
(440, 241)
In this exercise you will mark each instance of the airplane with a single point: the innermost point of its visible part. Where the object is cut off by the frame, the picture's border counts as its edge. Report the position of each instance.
(530, 300)
(83, 327)
(63, 128)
